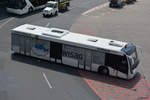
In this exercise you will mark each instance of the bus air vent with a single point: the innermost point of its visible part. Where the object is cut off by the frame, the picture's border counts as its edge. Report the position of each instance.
(31, 28)
(57, 31)
(113, 43)
(92, 40)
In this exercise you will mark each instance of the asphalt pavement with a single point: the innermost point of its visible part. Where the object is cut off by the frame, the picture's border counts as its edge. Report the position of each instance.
(129, 24)
(26, 78)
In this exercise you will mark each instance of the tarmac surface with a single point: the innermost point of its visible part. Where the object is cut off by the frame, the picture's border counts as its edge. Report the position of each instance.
(27, 78)
(128, 24)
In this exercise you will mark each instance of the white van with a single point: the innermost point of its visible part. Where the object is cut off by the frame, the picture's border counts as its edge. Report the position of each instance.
(51, 9)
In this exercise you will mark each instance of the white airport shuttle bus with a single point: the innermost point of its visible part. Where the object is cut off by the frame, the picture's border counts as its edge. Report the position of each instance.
(105, 56)
(21, 7)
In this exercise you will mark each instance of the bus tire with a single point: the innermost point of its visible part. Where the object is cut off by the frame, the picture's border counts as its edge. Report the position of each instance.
(103, 70)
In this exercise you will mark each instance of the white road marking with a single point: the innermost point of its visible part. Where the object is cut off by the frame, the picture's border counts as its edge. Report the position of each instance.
(95, 8)
(6, 22)
(47, 25)
(50, 86)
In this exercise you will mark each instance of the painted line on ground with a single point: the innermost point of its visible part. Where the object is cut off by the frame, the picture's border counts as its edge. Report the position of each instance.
(95, 8)
(50, 86)
(6, 22)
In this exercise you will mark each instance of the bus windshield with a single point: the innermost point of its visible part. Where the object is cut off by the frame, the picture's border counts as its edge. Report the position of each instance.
(133, 59)
(16, 4)
(131, 51)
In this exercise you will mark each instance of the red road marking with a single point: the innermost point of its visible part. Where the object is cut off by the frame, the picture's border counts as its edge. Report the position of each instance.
(108, 91)
(122, 90)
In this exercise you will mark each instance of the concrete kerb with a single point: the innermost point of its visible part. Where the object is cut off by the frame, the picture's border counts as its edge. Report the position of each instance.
(92, 10)
(96, 8)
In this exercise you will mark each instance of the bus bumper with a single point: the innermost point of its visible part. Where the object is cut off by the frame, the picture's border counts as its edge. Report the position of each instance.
(135, 71)
(14, 11)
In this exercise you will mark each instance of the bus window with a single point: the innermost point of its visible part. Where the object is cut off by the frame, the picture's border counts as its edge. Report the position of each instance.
(16, 4)
(111, 60)
(36, 3)
(116, 62)
(98, 57)
(133, 59)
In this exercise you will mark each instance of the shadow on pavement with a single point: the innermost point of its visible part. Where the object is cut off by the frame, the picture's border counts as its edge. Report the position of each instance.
(27, 15)
(44, 64)
(3, 13)
(64, 11)
(128, 84)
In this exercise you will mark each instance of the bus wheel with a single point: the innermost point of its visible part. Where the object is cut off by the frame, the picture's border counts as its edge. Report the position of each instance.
(30, 9)
(103, 70)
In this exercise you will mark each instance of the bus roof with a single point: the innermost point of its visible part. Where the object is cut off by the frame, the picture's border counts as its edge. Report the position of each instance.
(52, 2)
(70, 38)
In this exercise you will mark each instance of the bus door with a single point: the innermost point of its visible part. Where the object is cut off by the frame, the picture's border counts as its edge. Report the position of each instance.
(81, 59)
(56, 52)
(22, 44)
(28, 46)
(98, 59)
(88, 59)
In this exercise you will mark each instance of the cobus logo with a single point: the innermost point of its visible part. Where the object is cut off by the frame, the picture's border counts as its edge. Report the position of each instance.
(40, 47)
(39, 50)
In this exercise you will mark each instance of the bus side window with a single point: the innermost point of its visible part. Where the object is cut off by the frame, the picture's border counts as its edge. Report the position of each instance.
(111, 60)
(116, 62)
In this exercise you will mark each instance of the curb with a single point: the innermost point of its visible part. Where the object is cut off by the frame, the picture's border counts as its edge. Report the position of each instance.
(96, 8)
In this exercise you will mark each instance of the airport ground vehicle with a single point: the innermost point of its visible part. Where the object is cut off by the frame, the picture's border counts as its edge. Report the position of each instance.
(120, 3)
(116, 3)
(51, 9)
(21, 7)
(105, 56)
(63, 4)
(130, 1)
